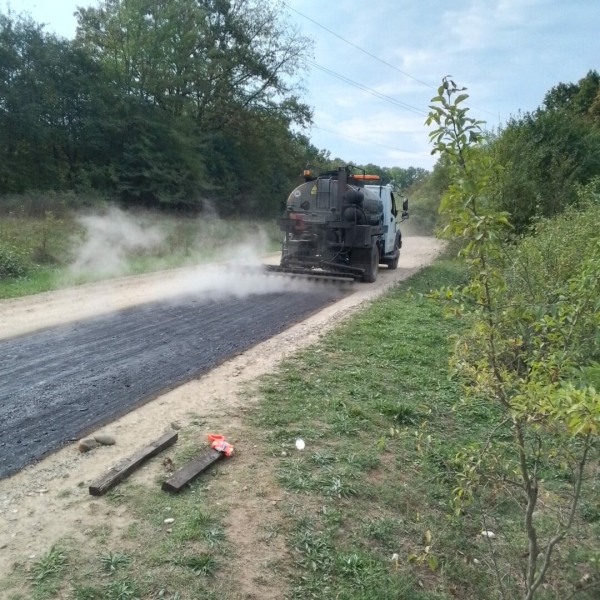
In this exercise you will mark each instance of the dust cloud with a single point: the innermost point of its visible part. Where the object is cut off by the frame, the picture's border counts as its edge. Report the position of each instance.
(113, 238)
(232, 280)
(110, 239)
(240, 274)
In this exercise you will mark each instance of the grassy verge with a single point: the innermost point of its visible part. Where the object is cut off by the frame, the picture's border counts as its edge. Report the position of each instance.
(376, 407)
(50, 245)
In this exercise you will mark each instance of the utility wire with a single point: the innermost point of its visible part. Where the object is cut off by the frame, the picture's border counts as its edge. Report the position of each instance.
(369, 90)
(368, 142)
(358, 47)
(377, 57)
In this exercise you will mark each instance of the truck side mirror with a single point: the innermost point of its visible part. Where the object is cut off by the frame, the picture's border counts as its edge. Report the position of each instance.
(405, 209)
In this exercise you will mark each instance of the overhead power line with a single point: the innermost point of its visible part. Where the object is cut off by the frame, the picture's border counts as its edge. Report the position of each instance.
(359, 48)
(369, 90)
(377, 58)
(350, 137)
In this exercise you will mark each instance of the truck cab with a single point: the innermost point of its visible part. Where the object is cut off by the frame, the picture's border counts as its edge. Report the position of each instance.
(392, 238)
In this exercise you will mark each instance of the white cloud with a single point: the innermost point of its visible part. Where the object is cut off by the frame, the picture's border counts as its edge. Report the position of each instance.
(483, 25)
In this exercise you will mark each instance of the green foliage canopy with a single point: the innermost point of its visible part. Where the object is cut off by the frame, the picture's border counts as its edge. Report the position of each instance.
(178, 101)
(541, 157)
(532, 348)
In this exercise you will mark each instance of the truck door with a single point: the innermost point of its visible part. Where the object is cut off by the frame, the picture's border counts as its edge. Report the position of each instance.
(390, 219)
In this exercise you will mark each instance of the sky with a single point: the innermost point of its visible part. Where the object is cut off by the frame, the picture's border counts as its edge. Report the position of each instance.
(508, 53)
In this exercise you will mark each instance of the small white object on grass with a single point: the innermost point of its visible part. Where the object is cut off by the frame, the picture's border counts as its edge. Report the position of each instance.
(488, 534)
(300, 444)
(169, 521)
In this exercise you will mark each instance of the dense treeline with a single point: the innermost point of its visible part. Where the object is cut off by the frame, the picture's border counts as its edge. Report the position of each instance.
(172, 102)
(179, 102)
(541, 158)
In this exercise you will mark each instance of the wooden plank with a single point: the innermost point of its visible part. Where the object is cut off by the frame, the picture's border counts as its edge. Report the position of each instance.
(186, 474)
(125, 467)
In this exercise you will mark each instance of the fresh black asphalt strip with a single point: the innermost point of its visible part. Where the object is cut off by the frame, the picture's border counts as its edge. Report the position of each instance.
(57, 383)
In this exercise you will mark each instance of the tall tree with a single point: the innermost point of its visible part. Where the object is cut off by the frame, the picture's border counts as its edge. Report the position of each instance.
(49, 92)
(576, 98)
(209, 59)
(211, 69)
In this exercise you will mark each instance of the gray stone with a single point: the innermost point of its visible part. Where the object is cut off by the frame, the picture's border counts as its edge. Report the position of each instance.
(87, 445)
(105, 439)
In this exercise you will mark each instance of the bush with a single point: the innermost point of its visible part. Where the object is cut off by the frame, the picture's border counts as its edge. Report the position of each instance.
(532, 351)
(13, 261)
(546, 259)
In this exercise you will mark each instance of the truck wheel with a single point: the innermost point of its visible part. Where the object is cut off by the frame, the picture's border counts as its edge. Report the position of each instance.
(372, 267)
(392, 264)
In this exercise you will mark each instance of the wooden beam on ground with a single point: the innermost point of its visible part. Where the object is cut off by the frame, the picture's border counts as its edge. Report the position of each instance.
(124, 468)
(186, 474)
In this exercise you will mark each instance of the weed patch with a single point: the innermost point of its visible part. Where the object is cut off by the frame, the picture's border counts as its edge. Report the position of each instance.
(49, 567)
(113, 561)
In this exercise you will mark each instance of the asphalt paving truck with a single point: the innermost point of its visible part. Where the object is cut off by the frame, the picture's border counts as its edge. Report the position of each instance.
(341, 225)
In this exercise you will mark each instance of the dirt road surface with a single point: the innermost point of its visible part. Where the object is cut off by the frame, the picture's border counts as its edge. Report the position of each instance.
(44, 501)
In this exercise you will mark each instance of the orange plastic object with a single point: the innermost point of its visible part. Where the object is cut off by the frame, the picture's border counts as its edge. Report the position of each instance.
(371, 177)
(218, 443)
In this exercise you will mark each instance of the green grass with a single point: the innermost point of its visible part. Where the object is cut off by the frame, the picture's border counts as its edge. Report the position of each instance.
(47, 573)
(376, 407)
(51, 246)
(113, 561)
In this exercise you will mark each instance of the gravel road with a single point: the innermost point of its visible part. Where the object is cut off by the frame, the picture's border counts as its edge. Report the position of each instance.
(59, 382)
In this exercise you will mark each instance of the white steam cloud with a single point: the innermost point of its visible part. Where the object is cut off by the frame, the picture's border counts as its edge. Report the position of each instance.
(110, 238)
(215, 282)
(237, 271)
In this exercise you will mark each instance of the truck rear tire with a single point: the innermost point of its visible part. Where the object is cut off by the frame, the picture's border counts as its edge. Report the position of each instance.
(368, 261)
(372, 267)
